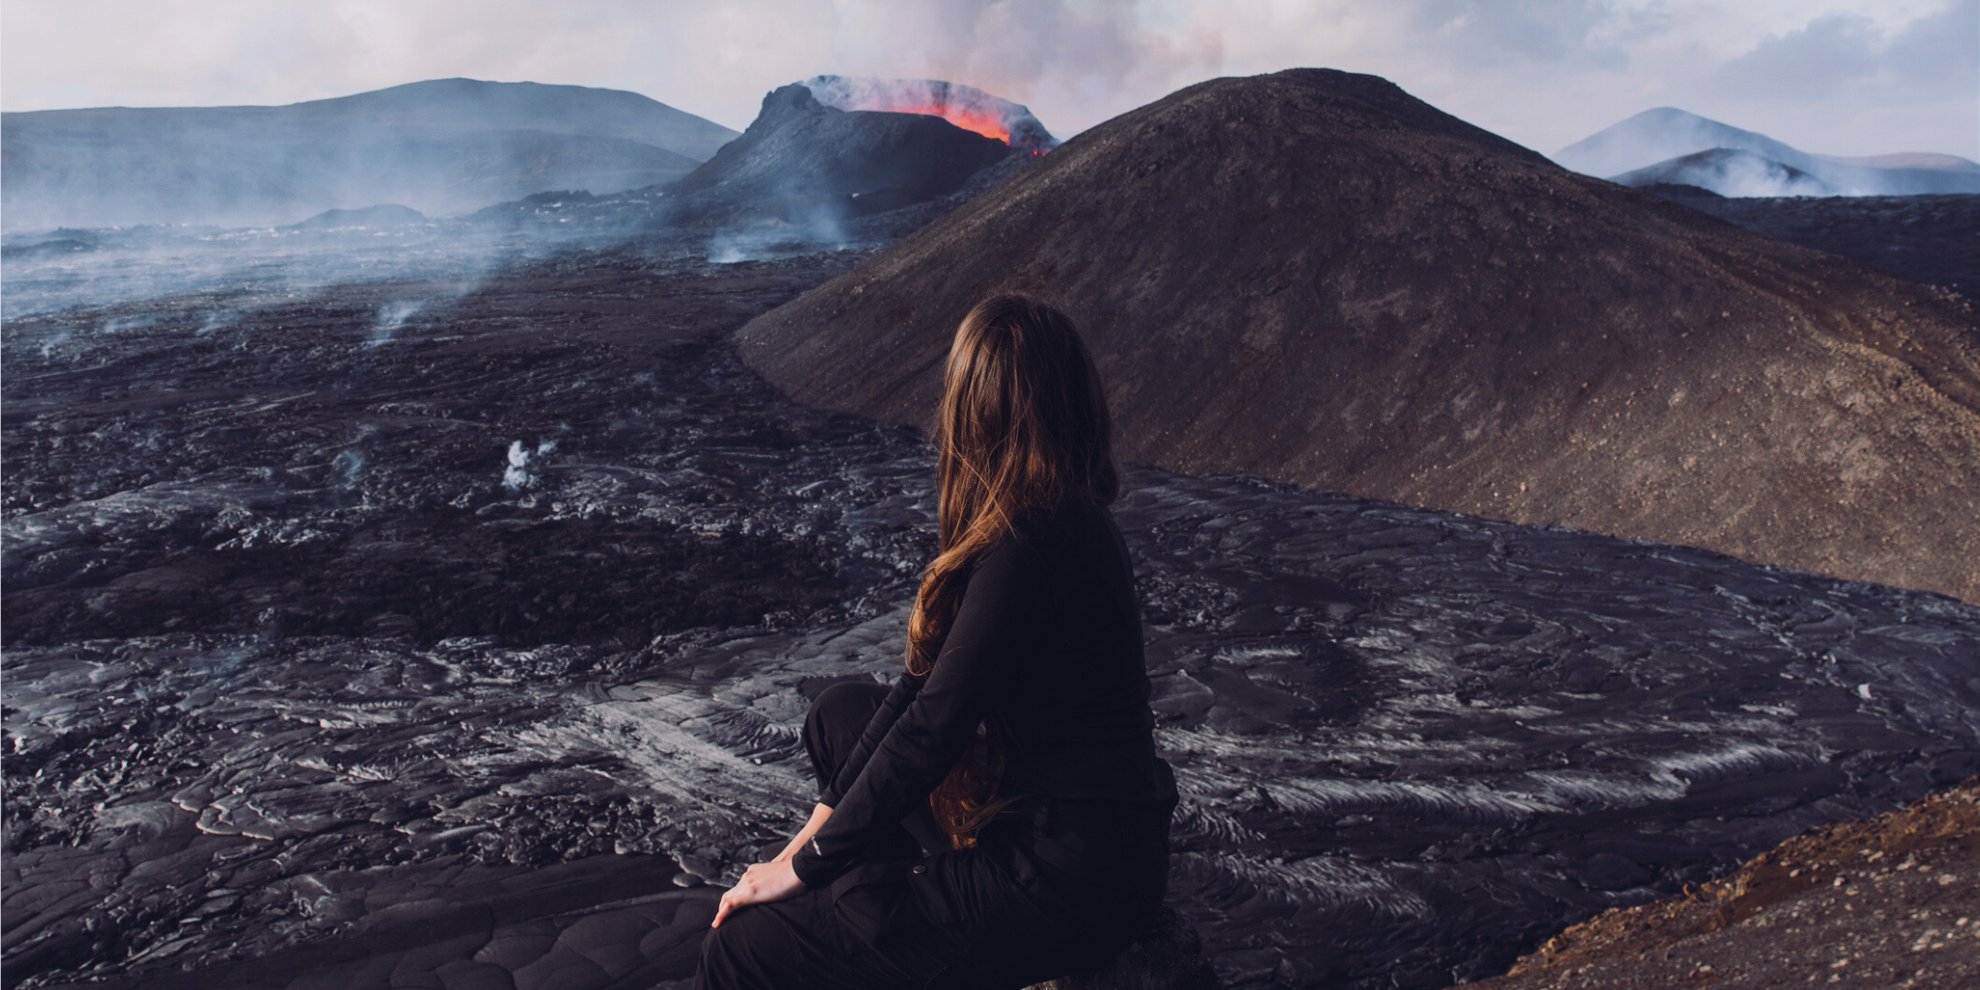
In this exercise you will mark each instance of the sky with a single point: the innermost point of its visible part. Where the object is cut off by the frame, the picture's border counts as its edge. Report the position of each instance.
(1845, 77)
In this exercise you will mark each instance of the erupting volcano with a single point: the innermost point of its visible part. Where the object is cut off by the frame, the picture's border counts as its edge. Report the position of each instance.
(805, 162)
(964, 106)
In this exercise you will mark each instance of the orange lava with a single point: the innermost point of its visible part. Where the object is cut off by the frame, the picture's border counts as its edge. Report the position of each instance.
(982, 123)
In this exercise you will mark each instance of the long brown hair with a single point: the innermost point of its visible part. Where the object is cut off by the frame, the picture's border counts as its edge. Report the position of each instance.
(1022, 424)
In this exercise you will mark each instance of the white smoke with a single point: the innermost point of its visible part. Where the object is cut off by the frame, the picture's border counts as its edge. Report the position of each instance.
(126, 323)
(55, 340)
(219, 319)
(516, 475)
(1738, 173)
(346, 468)
(1750, 175)
(805, 229)
(244, 271)
(816, 230)
(391, 317)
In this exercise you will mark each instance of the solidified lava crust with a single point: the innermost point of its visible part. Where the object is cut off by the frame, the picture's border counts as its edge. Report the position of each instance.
(479, 651)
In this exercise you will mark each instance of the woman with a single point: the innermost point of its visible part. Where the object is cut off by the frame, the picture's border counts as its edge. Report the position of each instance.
(1018, 743)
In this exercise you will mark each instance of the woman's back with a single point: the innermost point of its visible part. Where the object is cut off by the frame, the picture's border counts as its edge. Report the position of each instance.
(1045, 657)
(1075, 709)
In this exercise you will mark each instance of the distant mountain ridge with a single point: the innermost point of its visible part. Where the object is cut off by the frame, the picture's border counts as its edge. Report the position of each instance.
(442, 146)
(1649, 147)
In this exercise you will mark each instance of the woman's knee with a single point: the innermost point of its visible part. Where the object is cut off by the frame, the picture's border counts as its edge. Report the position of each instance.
(740, 954)
(834, 722)
(774, 944)
(717, 968)
(845, 706)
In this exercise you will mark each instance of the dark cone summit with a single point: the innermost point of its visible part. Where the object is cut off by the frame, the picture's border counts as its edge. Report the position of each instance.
(1313, 277)
(801, 154)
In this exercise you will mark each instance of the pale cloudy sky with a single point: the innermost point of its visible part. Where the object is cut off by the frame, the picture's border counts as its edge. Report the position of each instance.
(1836, 76)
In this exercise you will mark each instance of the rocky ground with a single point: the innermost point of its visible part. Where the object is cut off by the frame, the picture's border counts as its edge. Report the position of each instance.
(456, 631)
(1893, 901)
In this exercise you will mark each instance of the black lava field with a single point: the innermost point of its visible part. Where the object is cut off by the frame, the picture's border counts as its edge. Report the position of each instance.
(454, 626)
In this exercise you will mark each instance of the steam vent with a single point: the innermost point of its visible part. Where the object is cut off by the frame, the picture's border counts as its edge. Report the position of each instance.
(1313, 277)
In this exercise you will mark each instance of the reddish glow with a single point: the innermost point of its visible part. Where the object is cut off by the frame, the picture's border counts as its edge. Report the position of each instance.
(988, 125)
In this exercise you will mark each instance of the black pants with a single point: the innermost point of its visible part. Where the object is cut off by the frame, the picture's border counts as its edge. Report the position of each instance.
(1046, 890)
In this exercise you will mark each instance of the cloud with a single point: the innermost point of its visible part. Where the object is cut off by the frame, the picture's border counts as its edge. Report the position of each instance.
(1547, 34)
(1851, 57)
(1848, 76)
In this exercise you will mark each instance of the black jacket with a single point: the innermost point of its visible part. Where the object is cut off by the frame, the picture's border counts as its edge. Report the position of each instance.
(1047, 641)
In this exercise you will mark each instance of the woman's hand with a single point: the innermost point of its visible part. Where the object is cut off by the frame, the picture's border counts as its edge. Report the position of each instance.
(760, 884)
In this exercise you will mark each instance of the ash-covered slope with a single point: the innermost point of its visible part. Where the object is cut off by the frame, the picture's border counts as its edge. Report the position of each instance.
(1923, 238)
(1880, 900)
(800, 156)
(442, 146)
(1663, 138)
(1313, 277)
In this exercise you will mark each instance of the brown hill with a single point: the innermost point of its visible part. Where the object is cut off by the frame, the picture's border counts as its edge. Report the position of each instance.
(1313, 277)
(1887, 902)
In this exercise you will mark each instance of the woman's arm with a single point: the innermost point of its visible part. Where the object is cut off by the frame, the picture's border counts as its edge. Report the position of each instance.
(904, 689)
(906, 686)
(990, 632)
(819, 812)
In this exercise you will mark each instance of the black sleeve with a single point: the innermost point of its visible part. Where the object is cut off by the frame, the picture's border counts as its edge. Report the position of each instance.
(989, 633)
(904, 689)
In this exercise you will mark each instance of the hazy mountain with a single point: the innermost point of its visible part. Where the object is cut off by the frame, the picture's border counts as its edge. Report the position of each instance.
(1659, 138)
(382, 215)
(443, 146)
(1912, 159)
(1449, 320)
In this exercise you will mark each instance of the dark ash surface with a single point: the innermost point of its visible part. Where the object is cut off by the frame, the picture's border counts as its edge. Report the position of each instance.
(1927, 238)
(292, 676)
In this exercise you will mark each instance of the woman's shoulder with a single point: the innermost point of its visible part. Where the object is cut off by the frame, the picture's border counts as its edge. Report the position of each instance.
(1049, 551)
(1045, 528)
